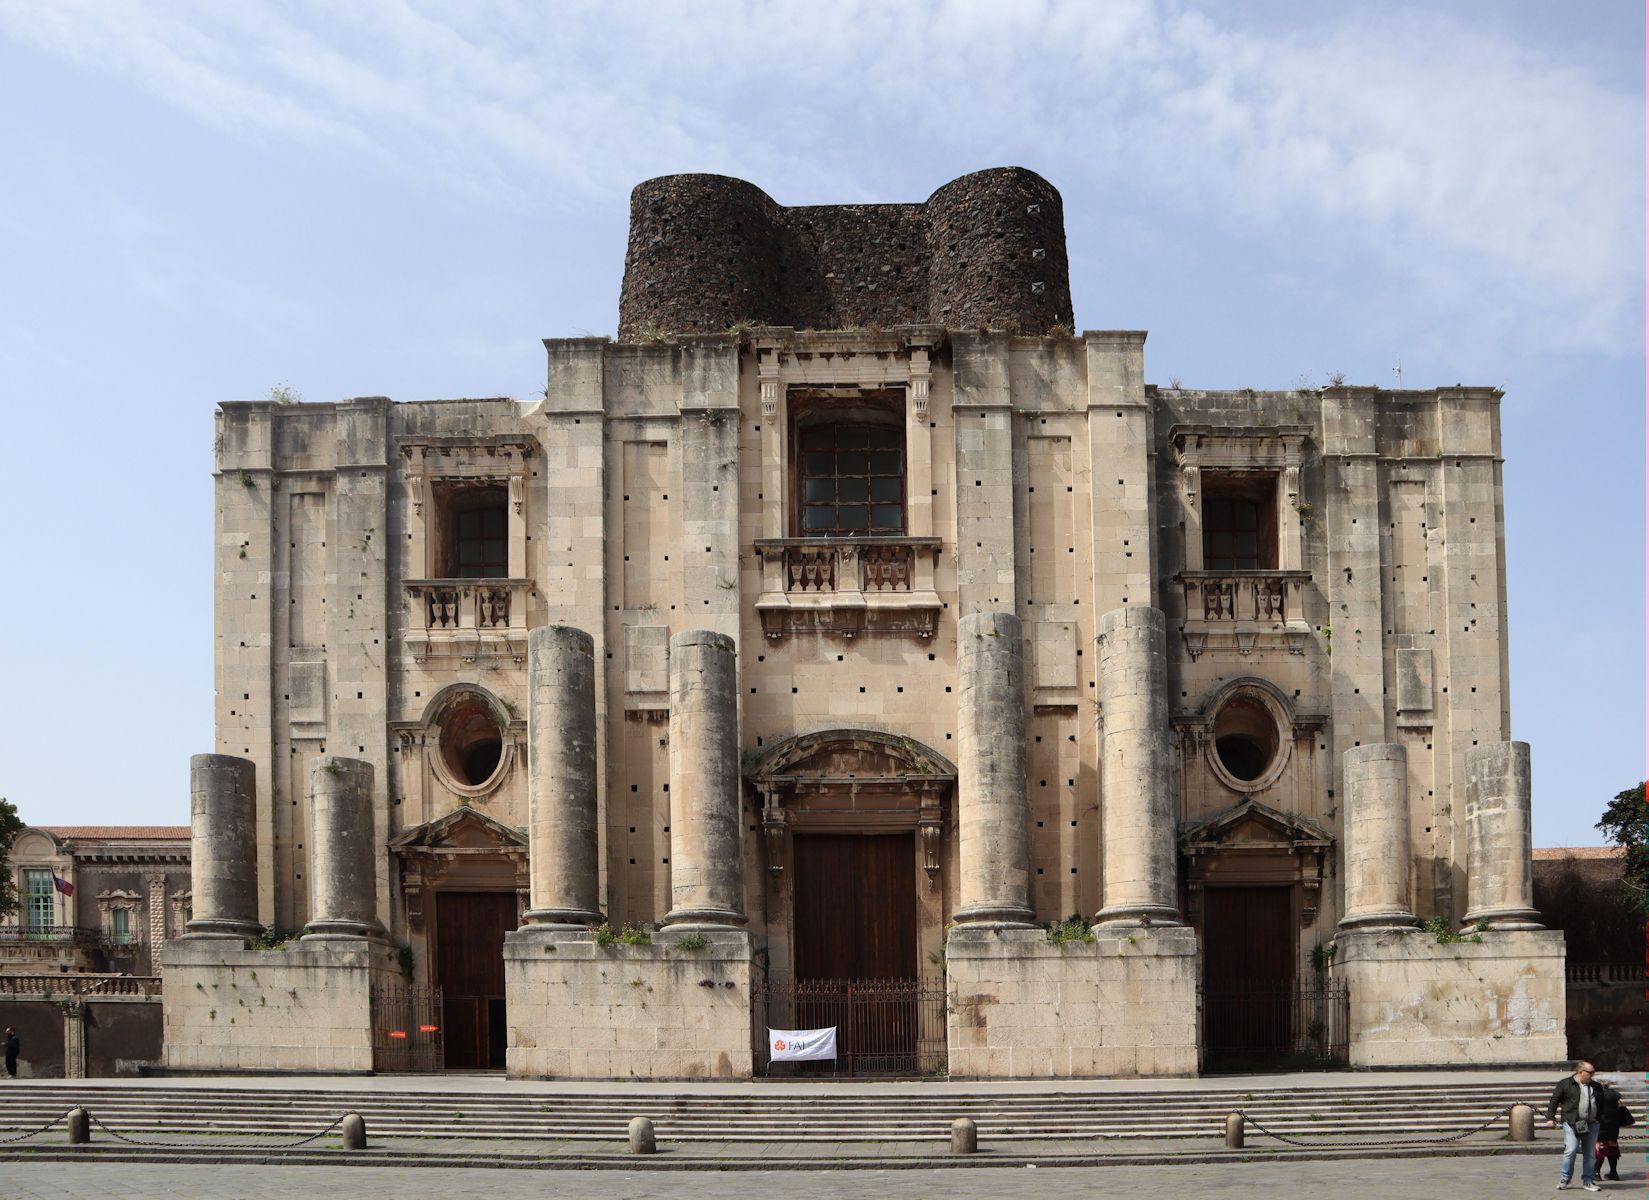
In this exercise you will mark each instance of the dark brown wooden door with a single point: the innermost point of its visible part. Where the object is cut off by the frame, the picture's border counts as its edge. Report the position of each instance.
(855, 906)
(469, 968)
(855, 930)
(1248, 948)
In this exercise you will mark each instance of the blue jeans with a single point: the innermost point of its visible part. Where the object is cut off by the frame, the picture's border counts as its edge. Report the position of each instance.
(1583, 1144)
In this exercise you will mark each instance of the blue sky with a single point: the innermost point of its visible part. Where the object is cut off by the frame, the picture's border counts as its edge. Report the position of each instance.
(202, 200)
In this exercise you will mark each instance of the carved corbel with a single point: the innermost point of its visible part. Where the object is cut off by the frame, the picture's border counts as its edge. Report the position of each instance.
(1310, 897)
(775, 827)
(933, 832)
(517, 493)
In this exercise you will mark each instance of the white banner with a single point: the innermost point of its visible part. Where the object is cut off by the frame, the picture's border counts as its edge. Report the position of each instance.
(793, 1045)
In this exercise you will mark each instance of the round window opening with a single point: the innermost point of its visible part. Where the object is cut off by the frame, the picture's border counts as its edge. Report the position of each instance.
(471, 742)
(1245, 739)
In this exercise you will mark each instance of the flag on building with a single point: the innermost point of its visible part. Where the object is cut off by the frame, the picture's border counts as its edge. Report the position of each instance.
(795, 1045)
(62, 885)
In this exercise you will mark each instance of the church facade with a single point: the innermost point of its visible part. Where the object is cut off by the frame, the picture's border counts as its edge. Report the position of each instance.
(852, 627)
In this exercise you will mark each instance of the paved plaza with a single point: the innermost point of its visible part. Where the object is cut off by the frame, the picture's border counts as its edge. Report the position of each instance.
(1418, 1178)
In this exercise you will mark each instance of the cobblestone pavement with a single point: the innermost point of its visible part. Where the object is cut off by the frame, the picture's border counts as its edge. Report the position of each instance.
(1420, 1178)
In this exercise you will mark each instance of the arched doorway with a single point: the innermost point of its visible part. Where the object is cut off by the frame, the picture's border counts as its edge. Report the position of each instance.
(854, 823)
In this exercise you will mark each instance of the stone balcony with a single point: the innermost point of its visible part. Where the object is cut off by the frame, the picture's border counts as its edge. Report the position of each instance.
(467, 618)
(849, 585)
(1240, 609)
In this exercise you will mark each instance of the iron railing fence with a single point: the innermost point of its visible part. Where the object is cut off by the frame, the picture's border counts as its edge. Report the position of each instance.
(883, 1026)
(1259, 1024)
(406, 1028)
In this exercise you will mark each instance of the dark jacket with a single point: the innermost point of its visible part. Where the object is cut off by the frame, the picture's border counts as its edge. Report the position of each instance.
(1566, 1097)
(1608, 1113)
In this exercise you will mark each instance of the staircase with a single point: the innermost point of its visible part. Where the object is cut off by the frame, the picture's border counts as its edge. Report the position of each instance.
(1361, 1109)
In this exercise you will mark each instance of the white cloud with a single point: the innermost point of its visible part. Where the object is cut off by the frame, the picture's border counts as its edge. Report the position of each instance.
(1446, 155)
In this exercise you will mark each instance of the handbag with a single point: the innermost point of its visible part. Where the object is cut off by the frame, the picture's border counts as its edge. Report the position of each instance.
(1626, 1117)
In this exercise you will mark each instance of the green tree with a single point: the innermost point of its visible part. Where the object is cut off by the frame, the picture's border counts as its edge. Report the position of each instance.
(1626, 823)
(10, 826)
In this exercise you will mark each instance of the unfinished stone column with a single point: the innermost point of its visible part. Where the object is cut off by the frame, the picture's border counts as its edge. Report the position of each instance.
(1136, 770)
(561, 778)
(1499, 845)
(223, 846)
(343, 844)
(706, 834)
(993, 809)
(1377, 837)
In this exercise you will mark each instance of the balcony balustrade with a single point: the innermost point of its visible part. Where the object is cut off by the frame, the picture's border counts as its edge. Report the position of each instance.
(1240, 607)
(467, 618)
(848, 585)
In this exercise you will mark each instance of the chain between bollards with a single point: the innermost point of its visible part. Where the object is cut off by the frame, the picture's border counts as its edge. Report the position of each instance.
(1235, 1122)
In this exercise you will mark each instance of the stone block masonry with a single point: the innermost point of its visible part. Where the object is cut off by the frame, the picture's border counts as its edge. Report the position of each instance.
(1023, 1007)
(581, 1010)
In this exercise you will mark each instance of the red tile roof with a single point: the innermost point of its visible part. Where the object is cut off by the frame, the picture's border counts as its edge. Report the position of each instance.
(146, 833)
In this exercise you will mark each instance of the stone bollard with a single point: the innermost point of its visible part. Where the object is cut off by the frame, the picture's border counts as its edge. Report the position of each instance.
(642, 1140)
(354, 1132)
(80, 1127)
(1520, 1124)
(1233, 1131)
(964, 1136)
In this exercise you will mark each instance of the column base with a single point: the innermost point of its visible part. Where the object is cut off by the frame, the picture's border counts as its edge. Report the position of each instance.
(222, 927)
(1000, 916)
(562, 918)
(1502, 918)
(705, 918)
(344, 931)
(1146, 915)
(1391, 918)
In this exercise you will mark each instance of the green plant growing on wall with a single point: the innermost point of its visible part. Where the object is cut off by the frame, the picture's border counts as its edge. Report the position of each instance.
(274, 938)
(1072, 929)
(693, 941)
(629, 935)
(1446, 935)
(283, 393)
(246, 479)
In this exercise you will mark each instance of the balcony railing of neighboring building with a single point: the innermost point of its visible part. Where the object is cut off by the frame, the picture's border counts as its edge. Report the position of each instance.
(53, 935)
(467, 618)
(848, 585)
(1606, 974)
(79, 985)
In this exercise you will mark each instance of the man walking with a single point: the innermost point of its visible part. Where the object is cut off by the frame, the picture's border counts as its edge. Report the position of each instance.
(14, 1044)
(1575, 1102)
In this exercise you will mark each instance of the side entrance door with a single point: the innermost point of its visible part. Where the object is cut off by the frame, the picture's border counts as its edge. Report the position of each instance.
(469, 969)
(1248, 950)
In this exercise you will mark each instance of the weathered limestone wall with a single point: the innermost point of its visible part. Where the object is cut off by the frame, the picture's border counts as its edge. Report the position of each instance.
(1418, 1002)
(306, 1007)
(579, 1010)
(1022, 1007)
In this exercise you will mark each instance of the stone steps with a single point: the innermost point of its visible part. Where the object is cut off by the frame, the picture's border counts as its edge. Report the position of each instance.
(1353, 1111)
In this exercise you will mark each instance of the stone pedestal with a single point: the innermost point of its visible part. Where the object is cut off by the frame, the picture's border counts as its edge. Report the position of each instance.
(561, 779)
(1377, 838)
(1499, 845)
(343, 853)
(706, 827)
(1417, 1002)
(579, 1010)
(1137, 773)
(1022, 1007)
(305, 1008)
(223, 847)
(992, 806)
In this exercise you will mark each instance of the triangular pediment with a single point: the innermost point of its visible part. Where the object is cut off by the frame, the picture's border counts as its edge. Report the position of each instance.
(461, 829)
(1254, 824)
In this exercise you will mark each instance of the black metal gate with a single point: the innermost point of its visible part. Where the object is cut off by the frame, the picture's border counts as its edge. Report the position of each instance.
(406, 1028)
(1268, 1025)
(883, 1026)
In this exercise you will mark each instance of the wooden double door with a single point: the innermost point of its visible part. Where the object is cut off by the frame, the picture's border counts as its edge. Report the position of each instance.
(469, 969)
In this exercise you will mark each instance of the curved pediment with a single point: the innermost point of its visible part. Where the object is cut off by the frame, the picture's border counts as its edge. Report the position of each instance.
(859, 754)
